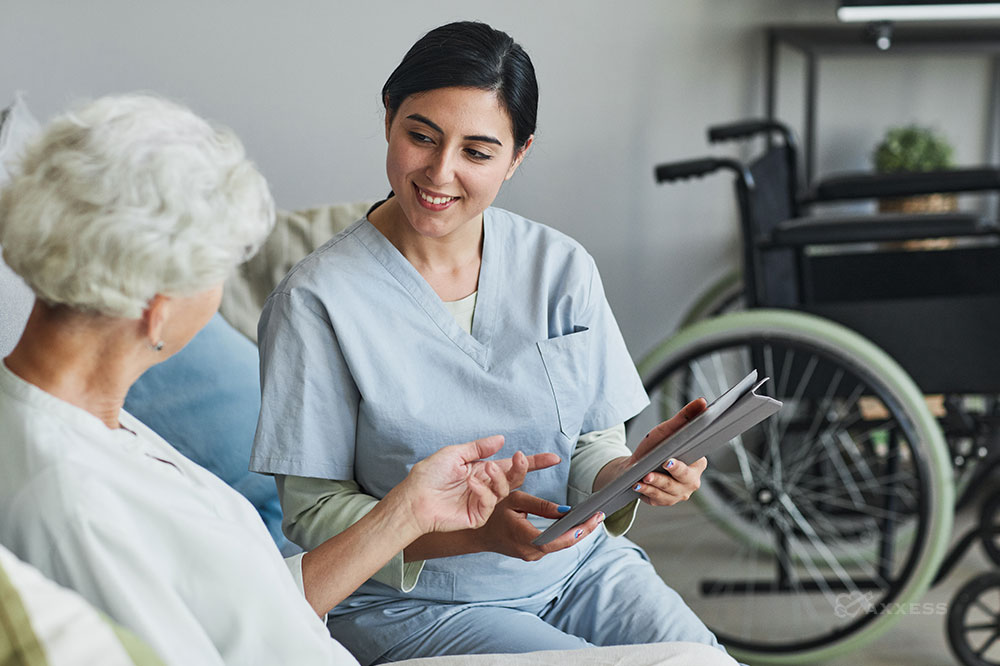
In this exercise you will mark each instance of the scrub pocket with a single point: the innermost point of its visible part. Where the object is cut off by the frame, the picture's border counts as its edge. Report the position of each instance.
(567, 364)
(435, 585)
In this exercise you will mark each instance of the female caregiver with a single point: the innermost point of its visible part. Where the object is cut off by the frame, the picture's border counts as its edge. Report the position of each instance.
(438, 318)
(125, 217)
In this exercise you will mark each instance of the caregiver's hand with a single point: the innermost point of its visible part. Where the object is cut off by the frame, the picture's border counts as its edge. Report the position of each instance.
(677, 481)
(509, 532)
(455, 488)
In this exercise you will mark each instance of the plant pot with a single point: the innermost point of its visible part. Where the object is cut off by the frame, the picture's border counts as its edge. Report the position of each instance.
(926, 203)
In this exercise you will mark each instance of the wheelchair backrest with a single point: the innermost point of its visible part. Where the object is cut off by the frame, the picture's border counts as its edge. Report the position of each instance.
(770, 201)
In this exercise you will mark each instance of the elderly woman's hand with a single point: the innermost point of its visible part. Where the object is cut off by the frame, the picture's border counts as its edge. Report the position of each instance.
(455, 488)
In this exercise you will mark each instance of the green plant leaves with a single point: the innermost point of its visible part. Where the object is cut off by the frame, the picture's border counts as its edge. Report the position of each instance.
(912, 148)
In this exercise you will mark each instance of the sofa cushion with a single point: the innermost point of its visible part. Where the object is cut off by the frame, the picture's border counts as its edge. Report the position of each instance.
(295, 235)
(17, 126)
(44, 623)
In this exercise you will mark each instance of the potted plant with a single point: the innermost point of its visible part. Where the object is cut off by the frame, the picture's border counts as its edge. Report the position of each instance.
(911, 148)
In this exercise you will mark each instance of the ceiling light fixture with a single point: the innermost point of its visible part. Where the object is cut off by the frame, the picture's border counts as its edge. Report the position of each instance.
(916, 10)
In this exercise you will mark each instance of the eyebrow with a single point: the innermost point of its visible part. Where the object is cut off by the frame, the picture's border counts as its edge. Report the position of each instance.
(471, 137)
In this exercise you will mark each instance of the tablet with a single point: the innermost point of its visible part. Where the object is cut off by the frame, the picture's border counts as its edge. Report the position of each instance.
(732, 413)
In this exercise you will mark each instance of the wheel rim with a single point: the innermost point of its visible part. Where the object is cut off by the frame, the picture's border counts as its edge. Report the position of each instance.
(829, 500)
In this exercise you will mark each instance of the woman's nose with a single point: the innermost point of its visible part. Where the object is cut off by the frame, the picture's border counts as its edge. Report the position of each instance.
(441, 170)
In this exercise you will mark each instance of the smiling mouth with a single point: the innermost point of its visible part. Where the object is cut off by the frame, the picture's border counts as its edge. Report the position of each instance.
(432, 199)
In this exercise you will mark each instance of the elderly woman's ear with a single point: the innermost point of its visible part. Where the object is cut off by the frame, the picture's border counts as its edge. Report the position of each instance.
(169, 322)
(153, 319)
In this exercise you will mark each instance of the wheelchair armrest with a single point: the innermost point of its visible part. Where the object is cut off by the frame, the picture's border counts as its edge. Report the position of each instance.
(671, 171)
(872, 185)
(828, 230)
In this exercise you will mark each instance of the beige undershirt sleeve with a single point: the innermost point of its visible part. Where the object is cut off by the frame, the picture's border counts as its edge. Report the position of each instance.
(316, 509)
(593, 451)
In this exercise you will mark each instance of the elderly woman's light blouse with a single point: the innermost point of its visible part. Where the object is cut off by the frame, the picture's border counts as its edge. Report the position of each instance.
(149, 537)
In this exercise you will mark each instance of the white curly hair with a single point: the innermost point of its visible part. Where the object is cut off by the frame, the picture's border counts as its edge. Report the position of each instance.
(129, 196)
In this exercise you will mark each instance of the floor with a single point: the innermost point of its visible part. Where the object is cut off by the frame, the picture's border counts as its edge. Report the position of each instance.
(919, 637)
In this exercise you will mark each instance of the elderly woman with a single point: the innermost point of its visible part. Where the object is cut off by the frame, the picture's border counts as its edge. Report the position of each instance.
(125, 218)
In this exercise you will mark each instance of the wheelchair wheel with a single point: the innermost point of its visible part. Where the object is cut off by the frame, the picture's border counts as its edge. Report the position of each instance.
(974, 621)
(812, 524)
(989, 526)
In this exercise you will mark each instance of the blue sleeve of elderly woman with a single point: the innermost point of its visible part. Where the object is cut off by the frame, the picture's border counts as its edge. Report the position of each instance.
(204, 400)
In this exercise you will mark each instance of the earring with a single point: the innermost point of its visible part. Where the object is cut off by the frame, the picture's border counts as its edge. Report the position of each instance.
(157, 347)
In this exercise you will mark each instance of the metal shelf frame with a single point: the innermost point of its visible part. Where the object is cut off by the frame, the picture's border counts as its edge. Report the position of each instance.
(814, 42)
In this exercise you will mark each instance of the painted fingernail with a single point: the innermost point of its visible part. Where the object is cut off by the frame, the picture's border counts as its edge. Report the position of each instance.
(563, 508)
(670, 464)
(578, 533)
(638, 487)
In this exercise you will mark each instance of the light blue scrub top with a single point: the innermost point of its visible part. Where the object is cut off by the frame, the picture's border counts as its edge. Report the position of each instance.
(364, 372)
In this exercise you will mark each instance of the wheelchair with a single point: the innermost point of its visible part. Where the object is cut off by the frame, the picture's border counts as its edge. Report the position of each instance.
(815, 531)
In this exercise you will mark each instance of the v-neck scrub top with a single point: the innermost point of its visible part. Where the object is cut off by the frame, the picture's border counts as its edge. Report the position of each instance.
(365, 372)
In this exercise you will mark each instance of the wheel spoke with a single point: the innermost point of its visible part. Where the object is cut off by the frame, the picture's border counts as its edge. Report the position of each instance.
(825, 406)
(858, 461)
(870, 511)
(983, 607)
(800, 389)
(988, 644)
(786, 370)
(824, 551)
(772, 457)
(841, 465)
(981, 627)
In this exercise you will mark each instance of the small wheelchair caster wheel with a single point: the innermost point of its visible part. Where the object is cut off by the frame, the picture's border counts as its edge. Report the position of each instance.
(974, 621)
(989, 526)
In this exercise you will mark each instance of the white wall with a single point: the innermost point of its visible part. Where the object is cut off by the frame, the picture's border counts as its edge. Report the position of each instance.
(624, 85)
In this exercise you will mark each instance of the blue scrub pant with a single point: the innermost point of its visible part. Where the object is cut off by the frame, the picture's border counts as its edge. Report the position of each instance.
(614, 598)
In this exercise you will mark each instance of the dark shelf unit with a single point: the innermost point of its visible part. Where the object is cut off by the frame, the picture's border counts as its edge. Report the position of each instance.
(817, 41)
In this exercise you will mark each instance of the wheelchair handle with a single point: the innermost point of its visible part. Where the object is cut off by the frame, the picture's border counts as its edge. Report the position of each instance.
(744, 129)
(671, 171)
